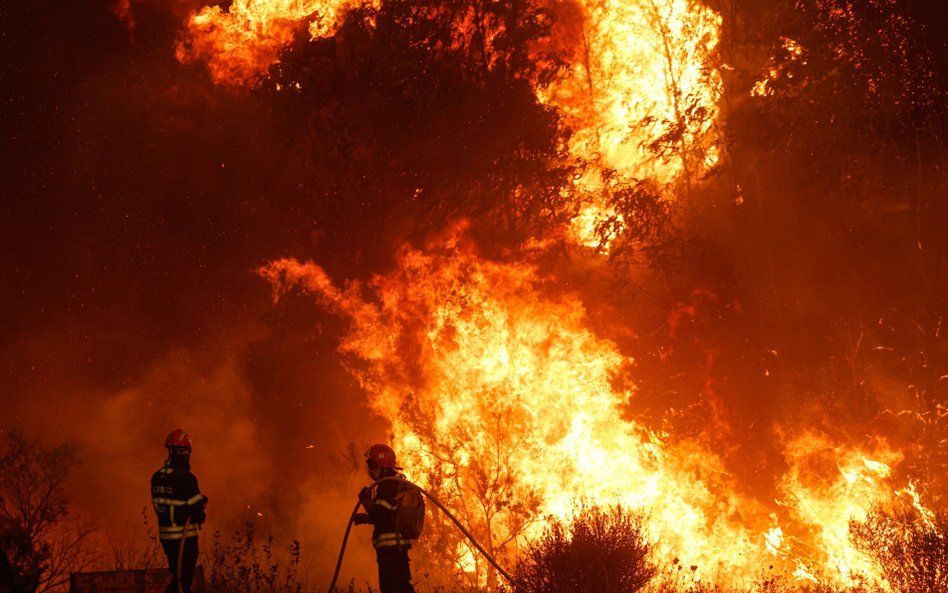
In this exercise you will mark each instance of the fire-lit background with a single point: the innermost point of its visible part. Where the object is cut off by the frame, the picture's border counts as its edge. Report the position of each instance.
(690, 255)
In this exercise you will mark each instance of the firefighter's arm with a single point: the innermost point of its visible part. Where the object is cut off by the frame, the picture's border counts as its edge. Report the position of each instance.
(197, 504)
(365, 497)
(379, 508)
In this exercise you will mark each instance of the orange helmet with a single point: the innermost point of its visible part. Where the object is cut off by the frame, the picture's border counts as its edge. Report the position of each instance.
(382, 455)
(178, 440)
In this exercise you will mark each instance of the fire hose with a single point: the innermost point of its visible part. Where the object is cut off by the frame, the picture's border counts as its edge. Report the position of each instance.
(332, 585)
(184, 537)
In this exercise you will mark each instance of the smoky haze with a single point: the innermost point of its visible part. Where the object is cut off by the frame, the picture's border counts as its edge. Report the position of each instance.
(806, 287)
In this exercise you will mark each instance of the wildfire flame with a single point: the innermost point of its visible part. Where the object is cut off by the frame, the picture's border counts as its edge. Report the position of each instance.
(639, 69)
(501, 400)
(826, 487)
(791, 54)
(239, 44)
(505, 405)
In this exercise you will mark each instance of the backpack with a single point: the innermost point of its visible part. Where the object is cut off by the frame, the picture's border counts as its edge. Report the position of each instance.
(409, 511)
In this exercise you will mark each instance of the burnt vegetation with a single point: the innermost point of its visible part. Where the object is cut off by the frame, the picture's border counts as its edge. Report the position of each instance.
(908, 545)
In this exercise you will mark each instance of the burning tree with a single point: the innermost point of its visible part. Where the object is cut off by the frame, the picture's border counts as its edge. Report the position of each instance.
(463, 135)
(471, 468)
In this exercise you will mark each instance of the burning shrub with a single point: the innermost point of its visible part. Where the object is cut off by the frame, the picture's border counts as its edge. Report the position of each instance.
(601, 549)
(909, 546)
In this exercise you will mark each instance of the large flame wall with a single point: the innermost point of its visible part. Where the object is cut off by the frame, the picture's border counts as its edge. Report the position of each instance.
(498, 391)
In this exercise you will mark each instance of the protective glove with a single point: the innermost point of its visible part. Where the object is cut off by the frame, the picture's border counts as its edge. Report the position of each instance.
(365, 497)
(198, 516)
(362, 519)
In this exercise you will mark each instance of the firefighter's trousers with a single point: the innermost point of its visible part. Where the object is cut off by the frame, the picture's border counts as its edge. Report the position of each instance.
(188, 562)
(394, 572)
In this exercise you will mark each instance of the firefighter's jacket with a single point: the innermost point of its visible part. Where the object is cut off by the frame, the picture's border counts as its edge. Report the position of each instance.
(176, 498)
(382, 515)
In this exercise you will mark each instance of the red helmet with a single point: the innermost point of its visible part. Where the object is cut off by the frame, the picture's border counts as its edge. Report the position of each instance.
(382, 455)
(178, 440)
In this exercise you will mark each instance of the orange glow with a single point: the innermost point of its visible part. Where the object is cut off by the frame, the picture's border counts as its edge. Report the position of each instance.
(793, 54)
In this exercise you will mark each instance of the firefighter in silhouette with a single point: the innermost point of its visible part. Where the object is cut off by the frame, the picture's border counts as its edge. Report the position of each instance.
(180, 506)
(391, 548)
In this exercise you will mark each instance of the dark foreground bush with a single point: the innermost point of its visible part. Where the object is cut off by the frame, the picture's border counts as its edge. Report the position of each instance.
(246, 566)
(910, 549)
(601, 550)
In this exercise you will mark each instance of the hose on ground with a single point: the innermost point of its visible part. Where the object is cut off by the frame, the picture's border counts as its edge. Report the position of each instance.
(332, 585)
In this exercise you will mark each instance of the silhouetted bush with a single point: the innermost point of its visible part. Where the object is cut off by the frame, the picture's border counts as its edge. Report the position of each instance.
(243, 566)
(601, 550)
(39, 547)
(909, 547)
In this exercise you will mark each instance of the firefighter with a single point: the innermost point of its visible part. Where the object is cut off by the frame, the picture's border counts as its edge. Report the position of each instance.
(180, 506)
(391, 550)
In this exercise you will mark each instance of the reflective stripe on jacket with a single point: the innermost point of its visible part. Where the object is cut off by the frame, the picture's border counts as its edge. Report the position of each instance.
(177, 532)
(388, 540)
(176, 499)
(382, 514)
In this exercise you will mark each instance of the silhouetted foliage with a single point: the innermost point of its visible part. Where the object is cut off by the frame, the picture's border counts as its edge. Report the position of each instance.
(641, 229)
(36, 549)
(413, 114)
(128, 551)
(601, 550)
(909, 546)
(246, 565)
(677, 577)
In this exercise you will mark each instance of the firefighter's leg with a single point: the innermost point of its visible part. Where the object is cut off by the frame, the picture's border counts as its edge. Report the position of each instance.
(188, 562)
(171, 551)
(394, 572)
(386, 576)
